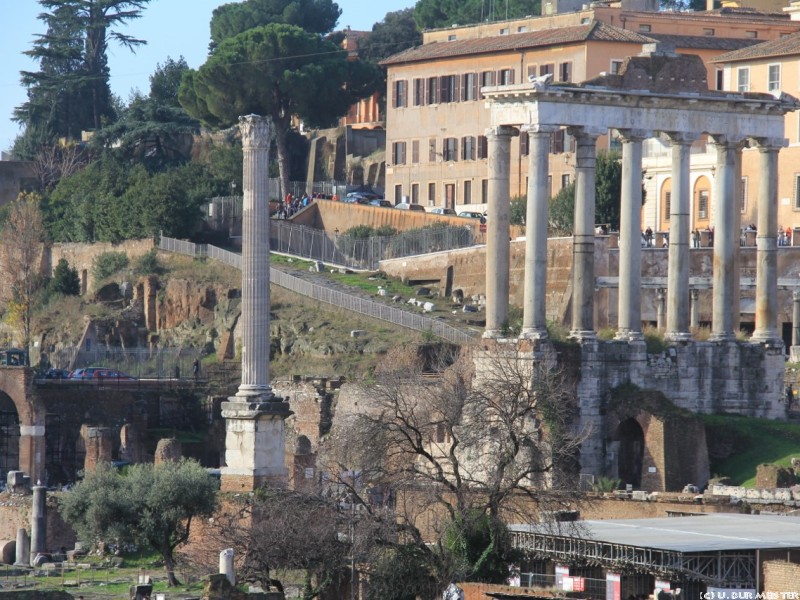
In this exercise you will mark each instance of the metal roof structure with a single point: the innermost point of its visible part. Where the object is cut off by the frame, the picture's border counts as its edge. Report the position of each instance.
(716, 549)
(704, 533)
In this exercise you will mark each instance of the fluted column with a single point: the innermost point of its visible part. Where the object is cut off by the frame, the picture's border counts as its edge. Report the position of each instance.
(498, 230)
(583, 236)
(256, 133)
(725, 279)
(679, 224)
(767, 245)
(534, 319)
(630, 237)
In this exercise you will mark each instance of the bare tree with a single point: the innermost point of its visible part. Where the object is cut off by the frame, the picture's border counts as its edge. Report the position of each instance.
(20, 263)
(488, 440)
(57, 161)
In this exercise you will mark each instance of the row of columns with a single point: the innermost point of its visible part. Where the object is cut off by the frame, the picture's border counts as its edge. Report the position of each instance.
(678, 309)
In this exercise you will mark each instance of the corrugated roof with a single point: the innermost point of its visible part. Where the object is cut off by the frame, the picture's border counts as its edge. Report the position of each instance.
(785, 46)
(594, 31)
(707, 533)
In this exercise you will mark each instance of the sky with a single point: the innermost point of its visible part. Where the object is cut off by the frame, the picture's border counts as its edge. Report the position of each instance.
(170, 31)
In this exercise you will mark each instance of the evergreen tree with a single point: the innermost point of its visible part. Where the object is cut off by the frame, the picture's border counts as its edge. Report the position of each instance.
(431, 14)
(70, 92)
(65, 279)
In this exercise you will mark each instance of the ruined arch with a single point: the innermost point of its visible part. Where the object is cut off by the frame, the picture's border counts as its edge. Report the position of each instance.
(630, 457)
(9, 435)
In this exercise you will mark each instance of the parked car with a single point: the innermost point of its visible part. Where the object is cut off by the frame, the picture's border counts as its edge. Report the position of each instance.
(357, 198)
(55, 374)
(409, 206)
(99, 373)
(470, 214)
(442, 211)
(381, 202)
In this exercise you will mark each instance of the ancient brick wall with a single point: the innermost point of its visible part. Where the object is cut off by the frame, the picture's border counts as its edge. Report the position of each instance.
(80, 256)
(781, 576)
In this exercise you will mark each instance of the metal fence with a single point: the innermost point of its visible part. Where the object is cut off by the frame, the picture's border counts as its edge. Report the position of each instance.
(355, 252)
(142, 363)
(364, 306)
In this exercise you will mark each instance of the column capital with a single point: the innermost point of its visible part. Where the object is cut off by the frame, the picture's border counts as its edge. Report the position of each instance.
(681, 138)
(502, 131)
(724, 139)
(532, 128)
(586, 132)
(796, 295)
(634, 135)
(256, 131)
(770, 144)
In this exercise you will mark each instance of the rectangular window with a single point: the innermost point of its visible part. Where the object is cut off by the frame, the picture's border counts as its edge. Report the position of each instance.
(522, 29)
(467, 199)
(702, 204)
(414, 193)
(484, 191)
(448, 88)
(450, 195)
(469, 87)
(564, 180)
(483, 147)
(557, 142)
(774, 78)
(505, 77)
(415, 152)
(432, 150)
(398, 193)
(450, 149)
(399, 153)
(667, 205)
(452, 37)
(532, 71)
(468, 148)
(504, 31)
(400, 94)
(419, 92)
(743, 79)
(720, 80)
(523, 143)
(545, 69)
(616, 67)
(708, 31)
(487, 78)
(644, 28)
(744, 195)
(433, 90)
(431, 194)
(751, 34)
(565, 72)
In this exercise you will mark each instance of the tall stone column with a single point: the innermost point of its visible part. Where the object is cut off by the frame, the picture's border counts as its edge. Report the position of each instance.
(661, 308)
(767, 245)
(630, 238)
(534, 319)
(498, 230)
(726, 242)
(679, 224)
(254, 417)
(583, 237)
(31, 449)
(38, 521)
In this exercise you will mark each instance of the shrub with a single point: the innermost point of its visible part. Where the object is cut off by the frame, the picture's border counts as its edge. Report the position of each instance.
(147, 263)
(108, 263)
(654, 340)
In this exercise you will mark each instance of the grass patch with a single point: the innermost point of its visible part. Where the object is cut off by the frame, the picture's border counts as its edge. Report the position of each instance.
(737, 445)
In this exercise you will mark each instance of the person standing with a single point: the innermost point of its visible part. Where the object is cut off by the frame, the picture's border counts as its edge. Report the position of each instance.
(196, 369)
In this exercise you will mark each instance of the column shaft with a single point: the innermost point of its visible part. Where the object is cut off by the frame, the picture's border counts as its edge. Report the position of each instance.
(255, 257)
(630, 246)
(694, 301)
(726, 243)
(534, 321)
(583, 240)
(678, 259)
(498, 231)
(38, 522)
(661, 301)
(796, 318)
(767, 249)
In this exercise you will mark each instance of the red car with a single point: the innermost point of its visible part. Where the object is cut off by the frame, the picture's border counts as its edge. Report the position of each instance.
(99, 373)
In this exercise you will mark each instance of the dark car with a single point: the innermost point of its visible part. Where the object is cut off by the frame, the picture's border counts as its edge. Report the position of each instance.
(381, 202)
(55, 374)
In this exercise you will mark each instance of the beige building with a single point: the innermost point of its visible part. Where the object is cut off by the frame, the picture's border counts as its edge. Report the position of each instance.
(436, 151)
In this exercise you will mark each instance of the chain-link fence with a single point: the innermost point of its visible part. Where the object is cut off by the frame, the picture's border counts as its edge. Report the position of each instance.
(357, 252)
(364, 306)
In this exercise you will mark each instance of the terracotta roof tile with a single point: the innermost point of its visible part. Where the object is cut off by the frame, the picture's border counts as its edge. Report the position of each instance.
(702, 42)
(594, 31)
(785, 46)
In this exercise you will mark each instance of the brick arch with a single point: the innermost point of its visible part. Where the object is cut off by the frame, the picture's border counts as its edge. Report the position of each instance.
(17, 384)
(630, 435)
